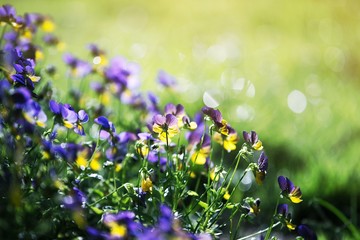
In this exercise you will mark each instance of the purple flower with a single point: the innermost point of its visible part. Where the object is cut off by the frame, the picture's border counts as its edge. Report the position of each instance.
(260, 170)
(289, 190)
(284, 216)
(252, 206)
(77, 199)
(8, 15)
(221, 125)
(166, 80)
(306, 232)
(33, 113)
(121, 225)
(253, 139)
(107, 127)
(123, 74)
(79, 68)
(82, 118)
(69, 117)
(165, 126)
(20, 97)
(25, 73)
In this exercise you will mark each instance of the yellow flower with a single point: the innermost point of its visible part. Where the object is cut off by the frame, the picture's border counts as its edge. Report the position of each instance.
(146, 185)
(199, 156)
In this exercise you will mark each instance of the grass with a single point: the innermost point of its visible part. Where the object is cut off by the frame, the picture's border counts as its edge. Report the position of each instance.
(277, 46)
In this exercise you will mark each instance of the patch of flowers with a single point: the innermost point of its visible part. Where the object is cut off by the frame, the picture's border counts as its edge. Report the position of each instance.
(106, 161)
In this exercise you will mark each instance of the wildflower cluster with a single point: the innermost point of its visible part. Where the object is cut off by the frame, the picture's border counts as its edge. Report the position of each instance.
(112, 163)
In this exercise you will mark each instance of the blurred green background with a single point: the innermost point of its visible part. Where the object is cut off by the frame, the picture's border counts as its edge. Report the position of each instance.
(289, 70)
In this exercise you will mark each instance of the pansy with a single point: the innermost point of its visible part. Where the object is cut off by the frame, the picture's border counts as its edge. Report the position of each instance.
(98, 55)
(79, 68)
(253, 139)
(284, 216)
(67, 114)
(260, 170)
(252, 206)
(119, 147)
(107, 127)
(121, 225)
(178, 111)
(165, 126)
(288, 190)
(165, 79)
(228, 141)
(34, 114)
(202, 151)
(82, 118)
(8, 15)
(52, 40)
(146, 184)
(167, 227)
(220, 124)
(188, 124)
(123, 74)
(24, 69)
(306, 232)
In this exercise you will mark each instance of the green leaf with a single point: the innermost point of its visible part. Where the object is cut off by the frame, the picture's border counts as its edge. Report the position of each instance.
(203, 204)
(192, 193)
(96, 210)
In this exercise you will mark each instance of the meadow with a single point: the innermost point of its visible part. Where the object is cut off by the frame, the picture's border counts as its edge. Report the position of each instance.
(288, 71)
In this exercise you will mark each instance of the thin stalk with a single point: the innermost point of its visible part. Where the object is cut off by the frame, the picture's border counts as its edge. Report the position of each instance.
(259, 232)
(2, 34)
(354, 231)
(104, 197)
(272, 221)
(238, 225)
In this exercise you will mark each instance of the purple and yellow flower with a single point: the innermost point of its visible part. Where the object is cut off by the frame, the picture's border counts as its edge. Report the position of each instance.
(252, 206)
(99, 55)
(253, 139)
(178, 111)
(121, 225)
(261, 168)
(82, 118)
(221, 125)
(24, 69)
(288, 190)
(70, 119)
(8, 15)
(228, 141)
(79, 68)
(165, 126)
(123, 77)
(34, 114)
(76, 201)
(202, 151)
(225, 135)
(284, 216)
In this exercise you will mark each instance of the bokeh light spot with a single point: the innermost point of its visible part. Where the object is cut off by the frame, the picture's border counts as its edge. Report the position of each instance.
(209, 100)
(297, 101)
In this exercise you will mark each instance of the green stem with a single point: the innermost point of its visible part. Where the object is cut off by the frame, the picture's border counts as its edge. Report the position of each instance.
(272, 221)
(238, 158)
(238, 225)
(259, 232)
(2, 34)
(224, 206)
(104, 197)
(354, 231)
